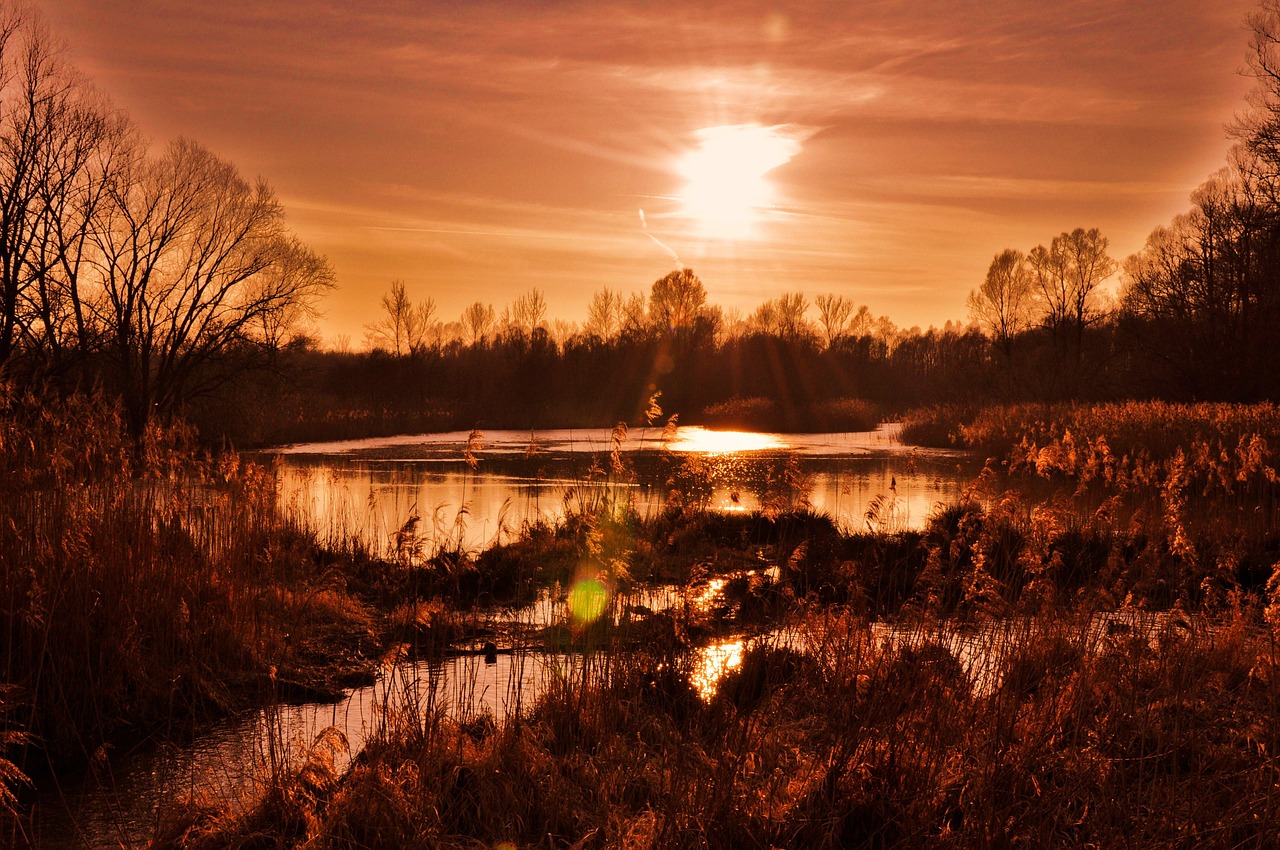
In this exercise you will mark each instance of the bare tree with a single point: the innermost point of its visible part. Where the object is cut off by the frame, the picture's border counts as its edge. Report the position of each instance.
(1003, 305)
(862, 322)
(19, 140)
(634, 313)
(477, 322)
(885, 331)
(77, 176)
(59, 139)
(784, 317)
(1206, 290)
(562, 330)
(604, 314)
(764, 319)
(1067, 275)
(1258, 128)
(293, 268)
(676, 300)
(792, 324)
(529, 312)
(182, 248)
(834, 312)
(406, 328)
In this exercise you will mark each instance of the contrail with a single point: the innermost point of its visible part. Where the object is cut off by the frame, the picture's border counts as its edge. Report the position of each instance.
(672, 254)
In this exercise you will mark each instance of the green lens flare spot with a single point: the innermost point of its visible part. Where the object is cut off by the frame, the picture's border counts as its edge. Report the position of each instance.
(587, 601)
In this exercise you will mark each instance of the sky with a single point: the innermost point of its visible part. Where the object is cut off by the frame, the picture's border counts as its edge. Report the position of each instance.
(883, 150)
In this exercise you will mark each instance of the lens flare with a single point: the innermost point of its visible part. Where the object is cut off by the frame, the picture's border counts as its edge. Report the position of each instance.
(588, 599)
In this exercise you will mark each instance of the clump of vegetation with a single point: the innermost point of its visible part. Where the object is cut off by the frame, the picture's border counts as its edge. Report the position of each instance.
(1147, 429)
(938, 426)
(754, 413)
(951, 686)
(846, 414)
(758, 413)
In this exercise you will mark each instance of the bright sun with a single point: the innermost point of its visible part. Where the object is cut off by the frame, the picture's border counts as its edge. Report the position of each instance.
(726, 186)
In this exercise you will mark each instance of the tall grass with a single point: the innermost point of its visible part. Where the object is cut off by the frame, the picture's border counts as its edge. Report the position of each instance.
(143, 584)
(831, 734)
(1148, 429)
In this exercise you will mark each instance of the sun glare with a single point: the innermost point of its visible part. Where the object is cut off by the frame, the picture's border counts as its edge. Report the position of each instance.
(726, 178)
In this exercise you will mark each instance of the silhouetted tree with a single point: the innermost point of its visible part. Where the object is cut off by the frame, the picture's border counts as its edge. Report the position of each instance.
(1258, 128)
(405, 328)
(1205, 290)
(293, 268)
(477, 322)
(676, 300)
(834, 313)
(60, 143)
(188, 252)
(604, 314)
(1067, 274)
(1003, 306)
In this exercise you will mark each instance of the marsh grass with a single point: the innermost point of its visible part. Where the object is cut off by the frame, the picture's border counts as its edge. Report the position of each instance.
(998, 679)
(833, 733)
(146, 584)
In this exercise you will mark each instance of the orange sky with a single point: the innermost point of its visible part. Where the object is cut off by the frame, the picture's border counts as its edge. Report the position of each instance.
(475, 149)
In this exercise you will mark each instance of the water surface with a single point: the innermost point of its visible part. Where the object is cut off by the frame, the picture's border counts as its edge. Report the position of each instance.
(370, 488)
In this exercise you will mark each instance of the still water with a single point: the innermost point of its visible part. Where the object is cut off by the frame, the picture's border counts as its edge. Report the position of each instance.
(368, 489)
(470, 491)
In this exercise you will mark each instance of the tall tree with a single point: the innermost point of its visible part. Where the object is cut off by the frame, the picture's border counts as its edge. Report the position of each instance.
(293, 268)
(1067, 274)
(834, 313)
(675, 301)
(633, 315)
(527, 313)
(405, 327)
(784, 317)
(1003, 305)
(1258, 127)
(188, 254)
(59, 143)
(1206, 289)
(604, 314)
(477, 322)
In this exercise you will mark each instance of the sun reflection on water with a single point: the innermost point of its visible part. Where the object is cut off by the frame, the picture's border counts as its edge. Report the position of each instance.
(707, 596)
(711, 665)
(701, 441)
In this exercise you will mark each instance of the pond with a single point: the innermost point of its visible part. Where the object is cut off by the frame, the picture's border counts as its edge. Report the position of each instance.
(369, 489)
